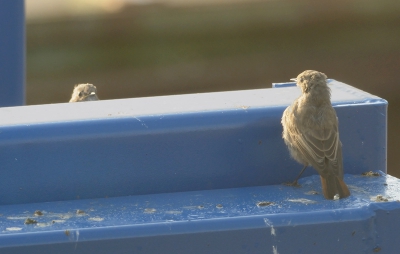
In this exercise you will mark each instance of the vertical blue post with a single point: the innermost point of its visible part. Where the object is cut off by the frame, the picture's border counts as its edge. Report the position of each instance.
(12, 53)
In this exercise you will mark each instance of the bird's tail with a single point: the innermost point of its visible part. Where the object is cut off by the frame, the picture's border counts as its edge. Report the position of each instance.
(332, 185)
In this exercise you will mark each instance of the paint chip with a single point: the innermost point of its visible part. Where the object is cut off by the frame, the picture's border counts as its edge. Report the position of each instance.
(173, 212)
(98, 219)
(312, 192)
(13, 229)
(302, 200)
(150, 210)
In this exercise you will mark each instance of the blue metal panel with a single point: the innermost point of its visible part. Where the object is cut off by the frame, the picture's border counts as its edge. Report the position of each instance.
(219, 221)
(184, 174)
(182, 143)
(12, 53)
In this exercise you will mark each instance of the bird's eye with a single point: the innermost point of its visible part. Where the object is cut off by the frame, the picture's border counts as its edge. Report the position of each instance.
(80, 94)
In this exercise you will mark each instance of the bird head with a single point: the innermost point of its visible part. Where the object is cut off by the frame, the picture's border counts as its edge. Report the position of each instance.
(84, 92)
(309, 79)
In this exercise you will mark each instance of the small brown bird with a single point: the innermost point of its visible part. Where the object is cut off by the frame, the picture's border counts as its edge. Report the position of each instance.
(84, 92)
(310, 130)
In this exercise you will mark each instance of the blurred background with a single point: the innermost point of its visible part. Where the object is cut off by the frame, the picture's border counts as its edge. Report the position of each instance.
(137, 48)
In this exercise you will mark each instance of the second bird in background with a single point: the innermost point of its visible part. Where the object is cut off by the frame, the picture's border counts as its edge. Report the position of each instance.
(84, 92)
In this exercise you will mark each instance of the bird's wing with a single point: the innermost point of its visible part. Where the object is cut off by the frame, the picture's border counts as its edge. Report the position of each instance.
(318, 146)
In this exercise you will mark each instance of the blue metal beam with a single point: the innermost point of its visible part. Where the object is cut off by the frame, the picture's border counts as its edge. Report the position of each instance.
(12, 53)
(182, 143)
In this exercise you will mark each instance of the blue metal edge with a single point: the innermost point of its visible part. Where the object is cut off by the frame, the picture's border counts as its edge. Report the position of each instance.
(291, 84)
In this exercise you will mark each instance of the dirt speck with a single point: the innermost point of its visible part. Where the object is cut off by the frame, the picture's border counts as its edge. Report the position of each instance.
(80, 212)
(29, 221)
(370, 174)
(264, 203)
(380, 198)
(66, 232)
(293, 184)
(376, 249)
(38, 213)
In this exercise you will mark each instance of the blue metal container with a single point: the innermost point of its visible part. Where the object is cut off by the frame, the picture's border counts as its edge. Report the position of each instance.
(196, 173)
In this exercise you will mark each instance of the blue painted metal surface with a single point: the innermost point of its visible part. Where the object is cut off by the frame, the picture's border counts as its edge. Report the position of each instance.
(184, 174)
(12, 53)
(241, 220)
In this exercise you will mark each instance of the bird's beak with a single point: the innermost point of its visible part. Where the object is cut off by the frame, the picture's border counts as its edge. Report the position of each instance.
(92, 93)
(294, 79)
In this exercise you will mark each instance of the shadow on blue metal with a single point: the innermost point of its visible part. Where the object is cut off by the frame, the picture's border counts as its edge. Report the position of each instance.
(12, 53)
(195, 173)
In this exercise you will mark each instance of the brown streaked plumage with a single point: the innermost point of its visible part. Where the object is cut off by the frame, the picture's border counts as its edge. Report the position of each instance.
(310, 130)
(84, 92)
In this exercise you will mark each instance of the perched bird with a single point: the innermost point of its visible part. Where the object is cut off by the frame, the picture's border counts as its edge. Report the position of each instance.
(310, 130)
(84, 92)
